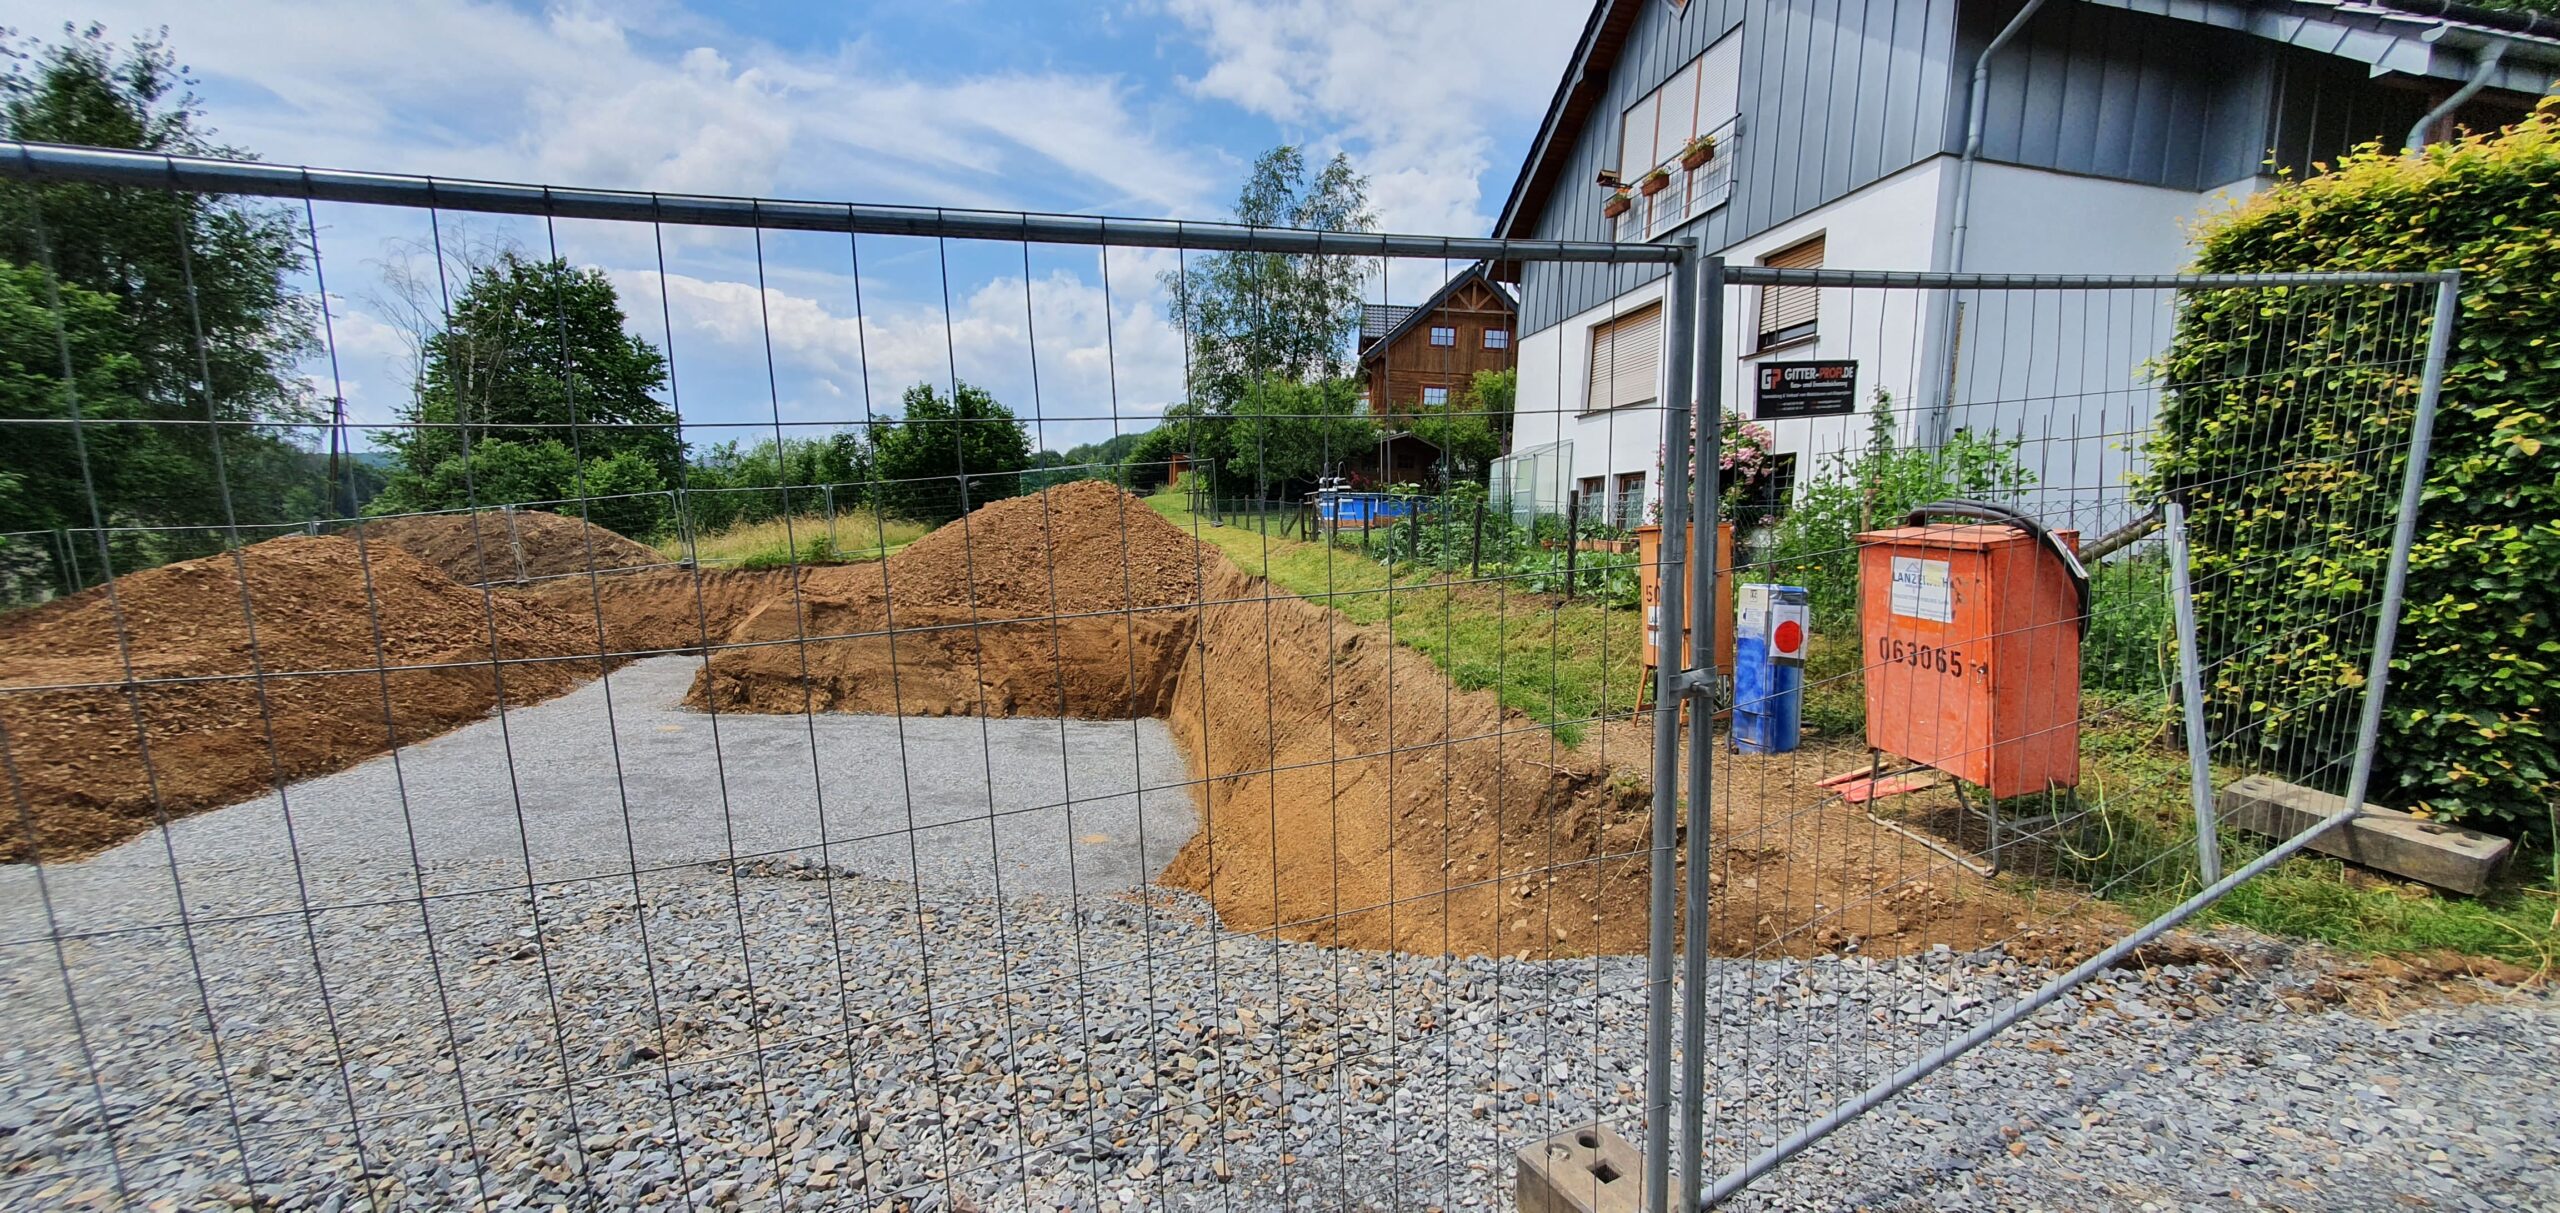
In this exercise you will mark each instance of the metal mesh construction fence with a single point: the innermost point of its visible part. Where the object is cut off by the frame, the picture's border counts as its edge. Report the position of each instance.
(1188, 828)
(2010, 738)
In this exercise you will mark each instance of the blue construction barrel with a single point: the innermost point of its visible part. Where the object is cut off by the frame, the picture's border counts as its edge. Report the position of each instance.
(1770, 626)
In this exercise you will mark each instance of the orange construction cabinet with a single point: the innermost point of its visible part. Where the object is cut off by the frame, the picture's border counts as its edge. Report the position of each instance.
(1649, 579)
(1971, 636)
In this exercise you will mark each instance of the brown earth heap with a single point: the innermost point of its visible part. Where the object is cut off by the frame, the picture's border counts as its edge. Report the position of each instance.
(331, 683)
(512, 545)
(1348, 793)
(1074, 602)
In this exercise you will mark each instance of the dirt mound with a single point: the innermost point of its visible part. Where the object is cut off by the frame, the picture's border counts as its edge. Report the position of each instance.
(517, 545)
(1076, 602)
(332, 635)
(1349, 793)
(1077, 548)
(662, 610)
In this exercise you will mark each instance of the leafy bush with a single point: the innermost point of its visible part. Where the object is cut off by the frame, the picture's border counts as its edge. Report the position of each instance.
(948, 455)
(625, 496)
(812, 549)
(2468, 730)
(2128, 648)
(1872, 488)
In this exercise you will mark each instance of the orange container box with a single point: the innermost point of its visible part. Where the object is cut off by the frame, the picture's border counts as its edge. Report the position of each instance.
(1649, 581)
(1971, 637)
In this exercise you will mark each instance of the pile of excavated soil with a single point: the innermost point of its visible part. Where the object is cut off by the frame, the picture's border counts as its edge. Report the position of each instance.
(1349, 793)
(517, 545)
(1353, 796)
(666, 610)
(1076, 549)
(1075, 602)
(327, 625)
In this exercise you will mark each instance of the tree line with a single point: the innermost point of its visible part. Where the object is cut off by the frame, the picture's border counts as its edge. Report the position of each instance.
(188, 343)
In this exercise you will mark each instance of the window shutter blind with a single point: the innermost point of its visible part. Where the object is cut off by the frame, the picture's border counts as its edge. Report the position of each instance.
(1785, 307)
(1635, 139)
(1626, 357)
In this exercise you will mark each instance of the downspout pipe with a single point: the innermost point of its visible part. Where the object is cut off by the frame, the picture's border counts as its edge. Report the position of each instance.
(1942, 338)
(1978, 99)
(2480, 73)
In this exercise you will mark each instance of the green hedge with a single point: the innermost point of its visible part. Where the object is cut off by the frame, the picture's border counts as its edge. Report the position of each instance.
(2320, 385)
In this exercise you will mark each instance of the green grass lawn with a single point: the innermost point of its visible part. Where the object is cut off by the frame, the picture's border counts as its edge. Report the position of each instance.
(852, 535)
(1561, 663)
(1564, 663)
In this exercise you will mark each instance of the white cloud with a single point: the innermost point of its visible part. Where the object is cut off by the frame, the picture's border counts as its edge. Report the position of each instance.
(1414, 92)
(1092, 361)
(575, 95)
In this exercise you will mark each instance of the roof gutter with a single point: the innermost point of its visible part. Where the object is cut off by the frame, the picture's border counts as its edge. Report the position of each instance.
(2486, 66)
(2532, 25)
(1975, 103)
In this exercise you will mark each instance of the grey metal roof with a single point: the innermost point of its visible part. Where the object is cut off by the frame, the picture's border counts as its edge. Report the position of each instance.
(2427, 38)
(2387, 37)
(1379, 319)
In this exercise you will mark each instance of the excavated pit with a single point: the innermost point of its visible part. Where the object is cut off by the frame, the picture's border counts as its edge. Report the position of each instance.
(1347, 792)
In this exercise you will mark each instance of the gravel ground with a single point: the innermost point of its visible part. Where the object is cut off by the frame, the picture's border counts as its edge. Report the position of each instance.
(615, 772)
(782, 1033)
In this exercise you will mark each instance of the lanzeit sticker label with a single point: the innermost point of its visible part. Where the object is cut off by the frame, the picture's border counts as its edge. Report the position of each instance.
(1921, 590)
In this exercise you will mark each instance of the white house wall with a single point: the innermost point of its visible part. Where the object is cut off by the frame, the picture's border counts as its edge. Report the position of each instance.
(2066, 374)
(1555, 378)
(1890, 225)
(2063, 373)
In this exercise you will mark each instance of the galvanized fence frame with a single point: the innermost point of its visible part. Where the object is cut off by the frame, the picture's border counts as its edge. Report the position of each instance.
(102, 167)
(1712, 295)
(1676, 983)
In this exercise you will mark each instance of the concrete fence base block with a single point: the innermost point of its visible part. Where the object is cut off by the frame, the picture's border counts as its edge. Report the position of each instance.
(2431, 852)
(1585, 1170)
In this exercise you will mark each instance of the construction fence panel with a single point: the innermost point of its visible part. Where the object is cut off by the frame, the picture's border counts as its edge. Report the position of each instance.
(2057, 563)
(946, 829)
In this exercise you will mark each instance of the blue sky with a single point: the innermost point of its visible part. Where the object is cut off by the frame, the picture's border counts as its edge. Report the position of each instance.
(1150, 108)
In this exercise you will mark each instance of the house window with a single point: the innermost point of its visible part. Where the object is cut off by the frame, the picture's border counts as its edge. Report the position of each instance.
(1497, 339)
(1435, 395)
(1700, 98)
(1442, 334)
(1595, 497)
(1626, 356)
(1789, 314)
(1626, 507)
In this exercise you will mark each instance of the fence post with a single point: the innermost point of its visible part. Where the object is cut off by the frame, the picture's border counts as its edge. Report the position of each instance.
(830, 492)
(1706, 339)
(1416, 529)
(2191, 691)
(1680, 317)
(1475, 547)
(515, 542)
(1573, 537)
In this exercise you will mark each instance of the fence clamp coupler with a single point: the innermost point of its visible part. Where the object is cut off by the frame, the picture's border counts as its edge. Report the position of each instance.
(1702, 681)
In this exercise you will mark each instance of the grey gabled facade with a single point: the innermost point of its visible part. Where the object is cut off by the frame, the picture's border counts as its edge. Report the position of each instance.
(1840, 128)
(1834, 96)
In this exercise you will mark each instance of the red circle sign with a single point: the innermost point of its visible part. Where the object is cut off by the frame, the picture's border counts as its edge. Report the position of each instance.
(1790, 636)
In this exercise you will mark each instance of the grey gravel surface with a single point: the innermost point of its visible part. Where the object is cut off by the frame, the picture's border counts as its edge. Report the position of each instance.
(616, 772)
(787, 1032)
